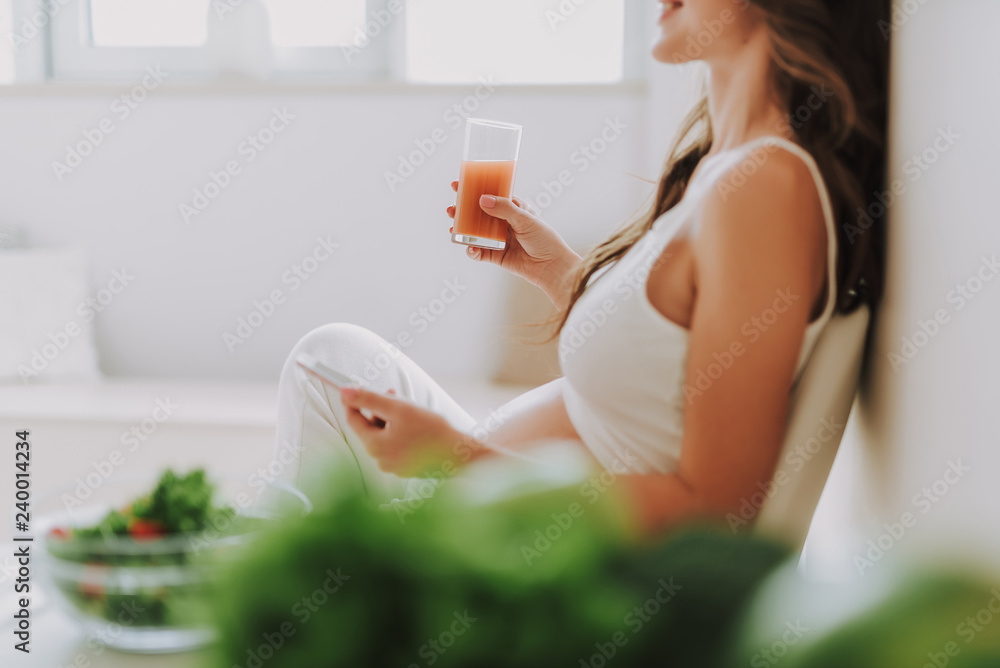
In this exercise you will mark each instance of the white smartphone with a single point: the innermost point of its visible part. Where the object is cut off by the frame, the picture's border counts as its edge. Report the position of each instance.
(323, 372)
(334, 378)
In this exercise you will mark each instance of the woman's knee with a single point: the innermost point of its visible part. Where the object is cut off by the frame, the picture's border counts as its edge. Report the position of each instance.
(337, 335)
(347, 348)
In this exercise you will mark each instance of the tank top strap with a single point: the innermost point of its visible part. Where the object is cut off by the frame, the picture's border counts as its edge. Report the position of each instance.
(825, 202)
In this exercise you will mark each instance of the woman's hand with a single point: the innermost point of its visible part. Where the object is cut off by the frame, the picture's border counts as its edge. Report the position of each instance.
(534, 251)
(404, 438)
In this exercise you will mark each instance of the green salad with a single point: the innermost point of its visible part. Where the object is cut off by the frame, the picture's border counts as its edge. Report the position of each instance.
(179, 504)
(145, 562)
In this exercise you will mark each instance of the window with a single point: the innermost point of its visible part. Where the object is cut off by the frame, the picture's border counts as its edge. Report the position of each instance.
(158, 23)
(315, 23)
(515, 41)
(420, 41)
(118, 39)
(148, 23)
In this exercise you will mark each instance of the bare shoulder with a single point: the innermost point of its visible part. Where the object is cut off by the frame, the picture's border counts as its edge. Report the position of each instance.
(766, 208)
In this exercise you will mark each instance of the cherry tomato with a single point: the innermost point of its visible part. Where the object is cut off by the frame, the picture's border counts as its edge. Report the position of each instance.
(145, 529)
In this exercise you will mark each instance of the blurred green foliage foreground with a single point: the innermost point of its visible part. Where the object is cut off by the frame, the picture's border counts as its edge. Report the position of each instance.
(537, 582)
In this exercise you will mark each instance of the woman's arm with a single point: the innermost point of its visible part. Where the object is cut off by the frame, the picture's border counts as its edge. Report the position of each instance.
(759, 268)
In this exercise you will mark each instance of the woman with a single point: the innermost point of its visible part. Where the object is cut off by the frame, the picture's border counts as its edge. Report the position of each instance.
(754, 215)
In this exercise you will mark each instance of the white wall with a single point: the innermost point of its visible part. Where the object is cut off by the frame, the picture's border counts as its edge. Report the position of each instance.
(323, 176)
(939, 404)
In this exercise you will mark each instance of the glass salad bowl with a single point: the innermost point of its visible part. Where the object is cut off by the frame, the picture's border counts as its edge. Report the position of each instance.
(144, 585)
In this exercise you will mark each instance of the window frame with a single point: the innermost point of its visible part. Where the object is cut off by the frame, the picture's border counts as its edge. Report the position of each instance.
(64, 54)
(73, 57)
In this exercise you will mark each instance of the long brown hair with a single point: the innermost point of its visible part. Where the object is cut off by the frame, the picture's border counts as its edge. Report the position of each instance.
(833, 46)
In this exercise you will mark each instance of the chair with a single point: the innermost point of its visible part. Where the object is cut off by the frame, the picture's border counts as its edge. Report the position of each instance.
(821, 403)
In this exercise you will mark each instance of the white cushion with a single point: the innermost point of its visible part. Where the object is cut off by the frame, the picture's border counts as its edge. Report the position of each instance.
(46, 327)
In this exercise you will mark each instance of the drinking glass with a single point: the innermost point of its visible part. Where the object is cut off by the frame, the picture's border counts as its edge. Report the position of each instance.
(488, 165)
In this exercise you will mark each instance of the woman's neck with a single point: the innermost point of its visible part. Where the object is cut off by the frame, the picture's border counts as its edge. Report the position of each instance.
(741, 100)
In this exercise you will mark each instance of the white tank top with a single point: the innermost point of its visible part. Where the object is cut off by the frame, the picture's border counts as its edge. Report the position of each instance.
(625, 363)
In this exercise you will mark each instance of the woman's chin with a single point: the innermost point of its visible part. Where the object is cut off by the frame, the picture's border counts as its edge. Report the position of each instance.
(669, 51)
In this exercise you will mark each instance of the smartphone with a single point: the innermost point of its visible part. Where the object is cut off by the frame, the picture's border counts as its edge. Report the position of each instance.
(323, 372)
(334, 378)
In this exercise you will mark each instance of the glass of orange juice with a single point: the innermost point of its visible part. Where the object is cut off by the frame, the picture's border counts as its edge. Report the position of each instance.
(488, 166)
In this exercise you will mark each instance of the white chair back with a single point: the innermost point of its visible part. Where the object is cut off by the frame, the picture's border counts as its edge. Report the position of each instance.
(821, 403)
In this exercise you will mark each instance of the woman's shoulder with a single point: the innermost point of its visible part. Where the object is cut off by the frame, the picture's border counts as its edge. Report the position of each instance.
(769, 187)
(765, 205)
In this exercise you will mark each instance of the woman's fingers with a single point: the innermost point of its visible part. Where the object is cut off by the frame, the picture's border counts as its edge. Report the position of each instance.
(451, 209)
(501, 207)
(384, 406)
(480, 254)
(360, 424)
(485, 254)
(372, 437)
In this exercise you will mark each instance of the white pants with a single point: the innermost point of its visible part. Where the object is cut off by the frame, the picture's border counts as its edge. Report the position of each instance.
(313, 435)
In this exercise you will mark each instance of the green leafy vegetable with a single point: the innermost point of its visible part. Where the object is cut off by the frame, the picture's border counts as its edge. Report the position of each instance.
(352, 585)
(178, 504)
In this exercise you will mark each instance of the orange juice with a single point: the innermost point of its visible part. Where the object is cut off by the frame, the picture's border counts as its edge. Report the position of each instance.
(473, 226)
